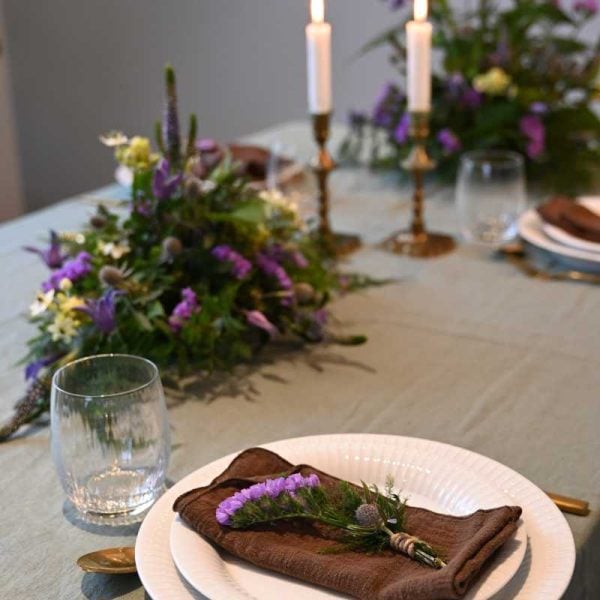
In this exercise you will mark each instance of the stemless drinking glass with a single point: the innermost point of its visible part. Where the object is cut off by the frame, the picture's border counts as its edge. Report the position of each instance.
(490, 195)
(110, 434)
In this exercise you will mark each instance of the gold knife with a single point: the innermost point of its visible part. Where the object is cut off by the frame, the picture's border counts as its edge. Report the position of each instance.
(570, 505)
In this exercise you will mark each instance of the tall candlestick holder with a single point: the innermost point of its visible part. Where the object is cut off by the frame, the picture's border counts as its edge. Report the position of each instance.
(336, 244)
(417, 241)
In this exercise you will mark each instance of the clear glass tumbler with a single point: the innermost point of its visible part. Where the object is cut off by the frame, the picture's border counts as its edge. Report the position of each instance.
(110, 434)
(490, 195)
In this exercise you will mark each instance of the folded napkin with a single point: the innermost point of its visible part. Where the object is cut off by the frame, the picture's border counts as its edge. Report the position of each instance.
(573, 218)
(294, 547)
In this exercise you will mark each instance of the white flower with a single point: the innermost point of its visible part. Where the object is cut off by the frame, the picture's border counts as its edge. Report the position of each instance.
(41, 304)
(114, 138)
(115, 250)
(63, 329)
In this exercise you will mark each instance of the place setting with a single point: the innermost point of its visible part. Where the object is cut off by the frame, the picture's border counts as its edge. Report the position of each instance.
(221, 395)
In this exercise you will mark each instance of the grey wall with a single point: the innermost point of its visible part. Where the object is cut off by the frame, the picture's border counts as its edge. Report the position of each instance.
(81, 67)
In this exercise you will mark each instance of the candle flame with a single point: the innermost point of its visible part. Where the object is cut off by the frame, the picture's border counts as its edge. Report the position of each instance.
(420, 10)
(317, 11)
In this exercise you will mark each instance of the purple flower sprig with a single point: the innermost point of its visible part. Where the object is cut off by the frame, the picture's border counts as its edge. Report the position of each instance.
(184, 310)
(52, 255)
(165, 184)
(73, 269)
(240, 266)
(235, 509)
(533, 130)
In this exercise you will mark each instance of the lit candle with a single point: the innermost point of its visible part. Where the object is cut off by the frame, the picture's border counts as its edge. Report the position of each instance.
(318, 60)
(418, 63)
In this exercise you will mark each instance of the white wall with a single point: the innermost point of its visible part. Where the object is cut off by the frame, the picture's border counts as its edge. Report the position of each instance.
(81, 67)
(11, 197)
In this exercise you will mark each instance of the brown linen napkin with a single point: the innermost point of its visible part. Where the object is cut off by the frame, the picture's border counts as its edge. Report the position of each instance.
(573, 218)
(293, 548)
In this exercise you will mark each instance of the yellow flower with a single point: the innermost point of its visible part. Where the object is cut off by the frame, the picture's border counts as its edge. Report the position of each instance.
(63, 329)
(41, 304)
(65, 284)
(495, 82)
(136, 154)
(67, 304)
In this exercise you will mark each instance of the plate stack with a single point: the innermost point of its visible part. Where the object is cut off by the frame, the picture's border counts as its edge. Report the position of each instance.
(175, 563)
(572, 251)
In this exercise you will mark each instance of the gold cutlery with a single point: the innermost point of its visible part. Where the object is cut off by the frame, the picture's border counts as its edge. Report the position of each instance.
(570, 505)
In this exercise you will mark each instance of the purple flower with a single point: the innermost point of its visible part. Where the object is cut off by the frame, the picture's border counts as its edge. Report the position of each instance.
(299, 259)
(270, 267)
(258, 319)
(164, 185)
(386, 106)
(532, 128)
(471, 98)
(210, 153)
(171, 133)
(402, 129)
(73, 269)
(239, 265)
(33, 368)
(270, 488)
(185, 309)
(455, 84)
(144, 208)
(538, 108)
(449, 141)
(501, 55)
(51, 255)
(588, 6)
(102, 311)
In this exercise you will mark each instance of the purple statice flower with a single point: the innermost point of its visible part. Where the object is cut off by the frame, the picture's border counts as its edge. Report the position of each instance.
(270, 267)
(538, 108)
(240, 266)
(164, 185)
(102, 311)
(402, 130)
(386, 106)
(259, 320)
(449, 141)
(52, 256)
(471, 98)
(73, 269)
(587, 6)
(185, 309)
(532, 128)
(271, 488)
(34, 367)
(210, 154)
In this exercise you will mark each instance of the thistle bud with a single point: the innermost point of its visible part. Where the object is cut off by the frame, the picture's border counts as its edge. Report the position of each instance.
(304, 292)
(111, 275)
(367, 515)
(98, 221)
(171, 247)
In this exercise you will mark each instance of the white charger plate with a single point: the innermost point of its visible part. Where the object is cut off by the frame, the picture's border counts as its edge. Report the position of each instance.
(427, 479)
(533, 229)
(544, 573)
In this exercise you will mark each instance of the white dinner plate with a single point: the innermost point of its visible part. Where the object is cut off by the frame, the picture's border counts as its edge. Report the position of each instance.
(562, 237)
(544, 573)
(533, 229)
(427, 479)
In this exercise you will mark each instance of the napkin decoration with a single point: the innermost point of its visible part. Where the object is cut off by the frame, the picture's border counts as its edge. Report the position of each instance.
(316, 552)
(571, 217)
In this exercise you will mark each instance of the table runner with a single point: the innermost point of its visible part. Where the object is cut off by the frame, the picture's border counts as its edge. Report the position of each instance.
(463, 349)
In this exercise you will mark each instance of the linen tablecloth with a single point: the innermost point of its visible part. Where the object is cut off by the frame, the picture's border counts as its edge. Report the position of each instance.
(462, 349)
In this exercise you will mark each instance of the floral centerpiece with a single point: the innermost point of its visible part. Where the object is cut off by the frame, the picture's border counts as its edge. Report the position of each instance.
(198, 272)
(511, 75)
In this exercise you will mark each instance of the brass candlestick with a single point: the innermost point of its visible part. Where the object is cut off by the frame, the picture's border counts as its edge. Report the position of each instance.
(417, 241)
(337, 244)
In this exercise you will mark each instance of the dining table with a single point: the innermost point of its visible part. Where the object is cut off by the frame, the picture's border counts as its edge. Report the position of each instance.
(463, 349)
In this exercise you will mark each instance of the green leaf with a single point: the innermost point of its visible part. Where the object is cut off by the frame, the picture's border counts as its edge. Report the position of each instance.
(142, 320)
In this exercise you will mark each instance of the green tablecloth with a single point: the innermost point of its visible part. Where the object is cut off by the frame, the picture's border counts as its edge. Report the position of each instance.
(462, 349)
